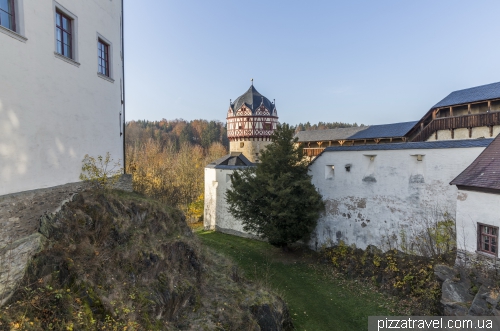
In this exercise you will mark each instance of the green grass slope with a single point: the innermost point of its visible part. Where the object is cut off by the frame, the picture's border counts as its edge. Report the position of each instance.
(316, 299)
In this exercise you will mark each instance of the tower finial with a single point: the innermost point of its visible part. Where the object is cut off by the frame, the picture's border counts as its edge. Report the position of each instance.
(252, 81)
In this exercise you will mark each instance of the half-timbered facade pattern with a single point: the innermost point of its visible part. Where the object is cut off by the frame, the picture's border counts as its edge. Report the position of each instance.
(251, 120)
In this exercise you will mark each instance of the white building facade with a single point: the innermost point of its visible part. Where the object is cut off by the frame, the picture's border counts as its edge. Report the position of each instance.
(217, 182)
(478, 207)
(375, 193)
(61, 89)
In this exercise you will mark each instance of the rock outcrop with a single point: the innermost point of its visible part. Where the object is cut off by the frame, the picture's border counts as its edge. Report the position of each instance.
(120, 261)
(462, 296)
(20, 216)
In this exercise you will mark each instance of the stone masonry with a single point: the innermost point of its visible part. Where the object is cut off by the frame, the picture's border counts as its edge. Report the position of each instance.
(20, 237)
(19, 223)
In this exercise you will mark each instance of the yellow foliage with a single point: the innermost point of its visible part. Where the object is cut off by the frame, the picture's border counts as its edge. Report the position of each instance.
(173, 176)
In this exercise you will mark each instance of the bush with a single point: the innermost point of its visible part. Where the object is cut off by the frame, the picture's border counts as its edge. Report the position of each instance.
(100, 172)
(411, 277)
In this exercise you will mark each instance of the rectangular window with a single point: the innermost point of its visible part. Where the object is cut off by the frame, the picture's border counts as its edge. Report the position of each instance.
(103, 57)
(488, 239)
(64, 34)
(7, 15)
(267, 126)
(329, 171)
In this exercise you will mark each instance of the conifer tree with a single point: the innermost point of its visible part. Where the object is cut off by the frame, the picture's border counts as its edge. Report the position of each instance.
(276, 199)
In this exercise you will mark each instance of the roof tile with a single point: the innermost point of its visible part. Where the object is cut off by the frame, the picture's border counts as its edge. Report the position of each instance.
(484, 172)
(478, 93)
(414, 145)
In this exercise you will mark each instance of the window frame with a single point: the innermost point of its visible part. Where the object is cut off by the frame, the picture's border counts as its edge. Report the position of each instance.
(18, 15)
(480, 241)
(103, 62)
(101, 39)
(69, 31)
(12, 5)
(57, 7)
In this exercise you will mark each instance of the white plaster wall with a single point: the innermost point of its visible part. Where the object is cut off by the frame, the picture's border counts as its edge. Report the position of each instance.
(216, 214)
(52, 112)
(474, 207)
(463, 133)
(382, 197)
(210, 208)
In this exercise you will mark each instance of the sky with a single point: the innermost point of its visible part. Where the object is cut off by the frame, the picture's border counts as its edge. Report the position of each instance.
(354, 61)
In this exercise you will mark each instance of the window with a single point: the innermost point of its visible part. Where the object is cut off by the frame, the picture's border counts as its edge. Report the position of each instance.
(103, 57)
(7, 15)
(267, 126)
(64, 40)
(487, 239)
(329, 171)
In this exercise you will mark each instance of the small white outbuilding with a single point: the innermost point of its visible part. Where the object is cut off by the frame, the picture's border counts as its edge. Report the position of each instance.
(217, 182)
(478, 206)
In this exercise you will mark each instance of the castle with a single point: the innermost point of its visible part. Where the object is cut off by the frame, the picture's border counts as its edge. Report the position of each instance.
(381, 184)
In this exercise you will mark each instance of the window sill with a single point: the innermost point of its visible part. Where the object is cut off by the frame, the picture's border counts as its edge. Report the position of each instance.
(109, 79)
(66, 59)
(13, 34)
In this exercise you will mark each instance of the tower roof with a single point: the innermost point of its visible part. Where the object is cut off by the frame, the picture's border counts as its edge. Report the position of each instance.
(252, 99)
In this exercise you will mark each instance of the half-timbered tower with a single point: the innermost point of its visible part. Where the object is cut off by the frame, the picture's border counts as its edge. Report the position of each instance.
(251, 119)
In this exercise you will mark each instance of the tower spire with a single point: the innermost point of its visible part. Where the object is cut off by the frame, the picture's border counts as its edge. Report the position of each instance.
(251, 81)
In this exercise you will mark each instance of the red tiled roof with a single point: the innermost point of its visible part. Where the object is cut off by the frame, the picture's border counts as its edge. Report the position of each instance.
(484, 172)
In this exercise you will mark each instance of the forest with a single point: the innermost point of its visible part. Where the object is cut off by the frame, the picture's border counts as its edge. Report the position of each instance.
(324, 126)
(167, 160)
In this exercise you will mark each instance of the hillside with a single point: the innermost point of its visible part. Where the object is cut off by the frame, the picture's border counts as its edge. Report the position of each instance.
(118, 261)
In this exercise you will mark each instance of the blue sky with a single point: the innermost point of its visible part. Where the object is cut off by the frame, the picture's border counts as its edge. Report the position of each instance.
(370, 62)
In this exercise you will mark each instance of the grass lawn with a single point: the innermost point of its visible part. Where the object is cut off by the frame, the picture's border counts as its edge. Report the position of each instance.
(317, 300)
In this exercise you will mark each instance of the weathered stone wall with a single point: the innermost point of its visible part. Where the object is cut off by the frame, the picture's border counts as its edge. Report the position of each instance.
(384, 193)
(124, 183)
(20, 215)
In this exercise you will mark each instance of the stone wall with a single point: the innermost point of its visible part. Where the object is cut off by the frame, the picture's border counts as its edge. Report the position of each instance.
(20, 215)
(372, 197)
(124, 183)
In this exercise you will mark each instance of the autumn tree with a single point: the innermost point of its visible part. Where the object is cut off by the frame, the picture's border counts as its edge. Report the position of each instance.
(276, 199)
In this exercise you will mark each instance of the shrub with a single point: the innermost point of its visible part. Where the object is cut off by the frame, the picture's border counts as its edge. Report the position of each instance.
(101, 172)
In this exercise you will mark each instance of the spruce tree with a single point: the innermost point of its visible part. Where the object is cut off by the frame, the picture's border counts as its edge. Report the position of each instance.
(276, 199)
